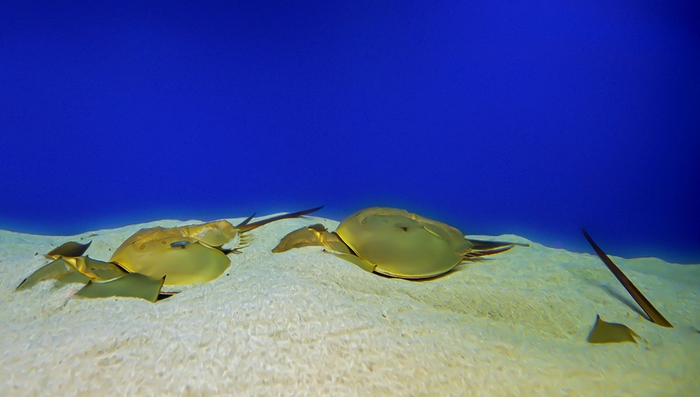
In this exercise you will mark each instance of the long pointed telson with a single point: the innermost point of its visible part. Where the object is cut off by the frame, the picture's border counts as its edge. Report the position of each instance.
(245, 226)
(643, 302)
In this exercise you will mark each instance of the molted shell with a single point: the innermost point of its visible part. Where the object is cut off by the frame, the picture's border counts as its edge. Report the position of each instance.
(183, 255)
(400, 244)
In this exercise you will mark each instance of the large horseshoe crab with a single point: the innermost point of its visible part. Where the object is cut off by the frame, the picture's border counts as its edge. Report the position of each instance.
(151, 258)
(395, 243)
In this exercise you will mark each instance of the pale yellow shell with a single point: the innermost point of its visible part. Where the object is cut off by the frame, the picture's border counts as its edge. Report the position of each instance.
(400, 244)
(184, 255)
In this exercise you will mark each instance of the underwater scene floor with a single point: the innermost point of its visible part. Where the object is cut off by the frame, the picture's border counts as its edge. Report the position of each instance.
(304, 322)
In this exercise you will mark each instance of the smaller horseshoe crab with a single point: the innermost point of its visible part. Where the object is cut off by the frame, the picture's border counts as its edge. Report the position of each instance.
(151, 258)
(395, 243)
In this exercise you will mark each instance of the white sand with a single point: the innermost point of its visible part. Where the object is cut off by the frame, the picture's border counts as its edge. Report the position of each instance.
(307, 323)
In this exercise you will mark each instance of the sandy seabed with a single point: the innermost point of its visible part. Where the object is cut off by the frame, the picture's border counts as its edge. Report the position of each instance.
(307, 323)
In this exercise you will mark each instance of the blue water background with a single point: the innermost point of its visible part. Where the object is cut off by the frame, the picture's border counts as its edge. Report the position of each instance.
(532, 118)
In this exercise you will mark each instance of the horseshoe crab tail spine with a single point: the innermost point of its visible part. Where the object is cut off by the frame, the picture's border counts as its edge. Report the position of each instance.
(483, 252)
(245, 226)
(245, 222)
(483, 247)
(641, 300)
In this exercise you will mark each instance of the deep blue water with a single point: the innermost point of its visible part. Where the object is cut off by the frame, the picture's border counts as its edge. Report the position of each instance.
(493, 116)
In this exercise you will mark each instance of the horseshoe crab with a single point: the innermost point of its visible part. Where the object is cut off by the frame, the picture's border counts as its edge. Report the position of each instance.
(395, 243)
(151, 258)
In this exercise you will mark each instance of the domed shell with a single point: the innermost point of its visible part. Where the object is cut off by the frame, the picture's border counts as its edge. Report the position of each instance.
(401, 244)
(178, 254)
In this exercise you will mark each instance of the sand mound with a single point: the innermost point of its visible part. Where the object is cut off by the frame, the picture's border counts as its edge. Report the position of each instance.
(307, 323)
